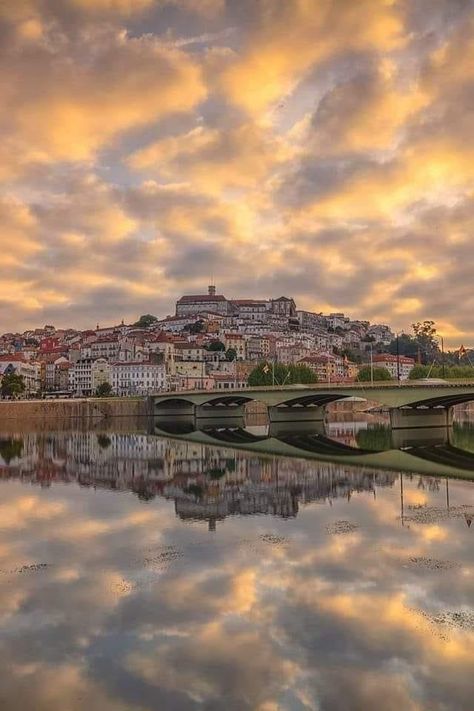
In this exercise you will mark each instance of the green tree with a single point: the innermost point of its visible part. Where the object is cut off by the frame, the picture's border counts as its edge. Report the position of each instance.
(231, 354)
(196, 327)
(279, 374)
(104, 390)
(13, 385)
(216, 346)
(145, 321)
(426, 338)
(407, 346)
(302, 374)
(352, 355)
(449, 372)
(379, 374)
(418, 371)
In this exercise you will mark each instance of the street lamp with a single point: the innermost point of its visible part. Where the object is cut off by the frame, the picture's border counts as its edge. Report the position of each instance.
(398, 358)
(371, 363)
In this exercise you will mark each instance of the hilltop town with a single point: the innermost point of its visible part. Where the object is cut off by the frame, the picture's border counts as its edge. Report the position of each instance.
(210, 342)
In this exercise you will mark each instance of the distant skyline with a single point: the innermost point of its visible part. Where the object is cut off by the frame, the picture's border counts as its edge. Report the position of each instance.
(320, 149)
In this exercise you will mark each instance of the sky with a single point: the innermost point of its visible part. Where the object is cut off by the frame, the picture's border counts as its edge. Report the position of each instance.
(320, 149)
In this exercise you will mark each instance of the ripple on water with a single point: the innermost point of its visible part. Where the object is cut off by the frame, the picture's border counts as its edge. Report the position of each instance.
(341, 527)
(432, 563)
(434, 514)
(29, 568)
(449, 621)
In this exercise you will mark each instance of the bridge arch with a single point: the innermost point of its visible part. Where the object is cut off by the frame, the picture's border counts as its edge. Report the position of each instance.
(316, 399)
(172, 406)
(445, 401)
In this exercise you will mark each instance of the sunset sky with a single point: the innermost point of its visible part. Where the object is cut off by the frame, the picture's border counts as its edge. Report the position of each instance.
(320, 149)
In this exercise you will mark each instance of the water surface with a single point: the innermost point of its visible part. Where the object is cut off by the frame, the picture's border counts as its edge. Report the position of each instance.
(141, 573)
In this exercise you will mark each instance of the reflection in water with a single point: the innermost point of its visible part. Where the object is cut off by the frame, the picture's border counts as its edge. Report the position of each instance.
(372, 443)
(311, 585)
(205, 482)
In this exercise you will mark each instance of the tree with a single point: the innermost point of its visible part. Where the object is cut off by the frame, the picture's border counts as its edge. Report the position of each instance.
(104, 390)
(419, 371)
(351, 355)
(279, 374)
(426, 338)
(302, 374)
(196, 327)
(449, 372)
(407, 346)
(216, 346)
(146, 321)
(365, 374)
(231, 354)
(13, 385)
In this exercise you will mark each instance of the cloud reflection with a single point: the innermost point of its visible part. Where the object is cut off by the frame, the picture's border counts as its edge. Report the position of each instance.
(116, 601)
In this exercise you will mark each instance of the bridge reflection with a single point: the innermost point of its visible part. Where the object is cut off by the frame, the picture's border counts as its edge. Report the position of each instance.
(229, 470)
(428, 451)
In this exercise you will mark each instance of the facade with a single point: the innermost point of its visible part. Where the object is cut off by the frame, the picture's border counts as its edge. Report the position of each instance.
(137, 378)
(327, 368)
(29, 371)
(87, 374)
(189, 351)
(194, 304)
(56, 375)
(394, 364)
(250, 309)
(238, 343)
(283, 306)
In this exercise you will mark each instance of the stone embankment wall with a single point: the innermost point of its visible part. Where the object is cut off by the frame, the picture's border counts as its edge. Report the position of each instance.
(92, 408)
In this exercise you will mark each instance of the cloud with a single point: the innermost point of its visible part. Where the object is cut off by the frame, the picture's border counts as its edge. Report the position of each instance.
(324, 149)
(237, 157)
(288, 39)
(61, 104)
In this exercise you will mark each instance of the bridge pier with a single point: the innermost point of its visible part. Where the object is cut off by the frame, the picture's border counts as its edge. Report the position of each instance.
(420, 417)
(285, 413)
(219, 412)
(286, 429)
(419, 436)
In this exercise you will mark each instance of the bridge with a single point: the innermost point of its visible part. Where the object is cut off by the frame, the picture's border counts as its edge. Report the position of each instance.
(411, 404)
(428, 452)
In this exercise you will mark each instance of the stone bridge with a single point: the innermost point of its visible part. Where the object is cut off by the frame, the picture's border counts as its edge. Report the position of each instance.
(411, 404)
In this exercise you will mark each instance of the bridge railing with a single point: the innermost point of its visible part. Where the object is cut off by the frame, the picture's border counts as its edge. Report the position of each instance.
(360, 386)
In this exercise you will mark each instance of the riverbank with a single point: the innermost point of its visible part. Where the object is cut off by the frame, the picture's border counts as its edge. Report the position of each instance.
(76, 409)
(97, 409)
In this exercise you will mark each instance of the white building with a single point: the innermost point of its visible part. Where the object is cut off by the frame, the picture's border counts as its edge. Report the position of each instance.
(29, 371)
(394, 364)
(87, 374)
(138, 378)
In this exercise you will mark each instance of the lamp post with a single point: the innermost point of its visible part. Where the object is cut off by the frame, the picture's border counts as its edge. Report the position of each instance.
(398, 358)
(443, 367)
(371, 363)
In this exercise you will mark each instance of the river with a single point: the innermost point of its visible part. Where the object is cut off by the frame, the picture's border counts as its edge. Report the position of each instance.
(141, 572)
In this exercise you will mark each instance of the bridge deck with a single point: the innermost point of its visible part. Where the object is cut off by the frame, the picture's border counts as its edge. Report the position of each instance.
(414, 394)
